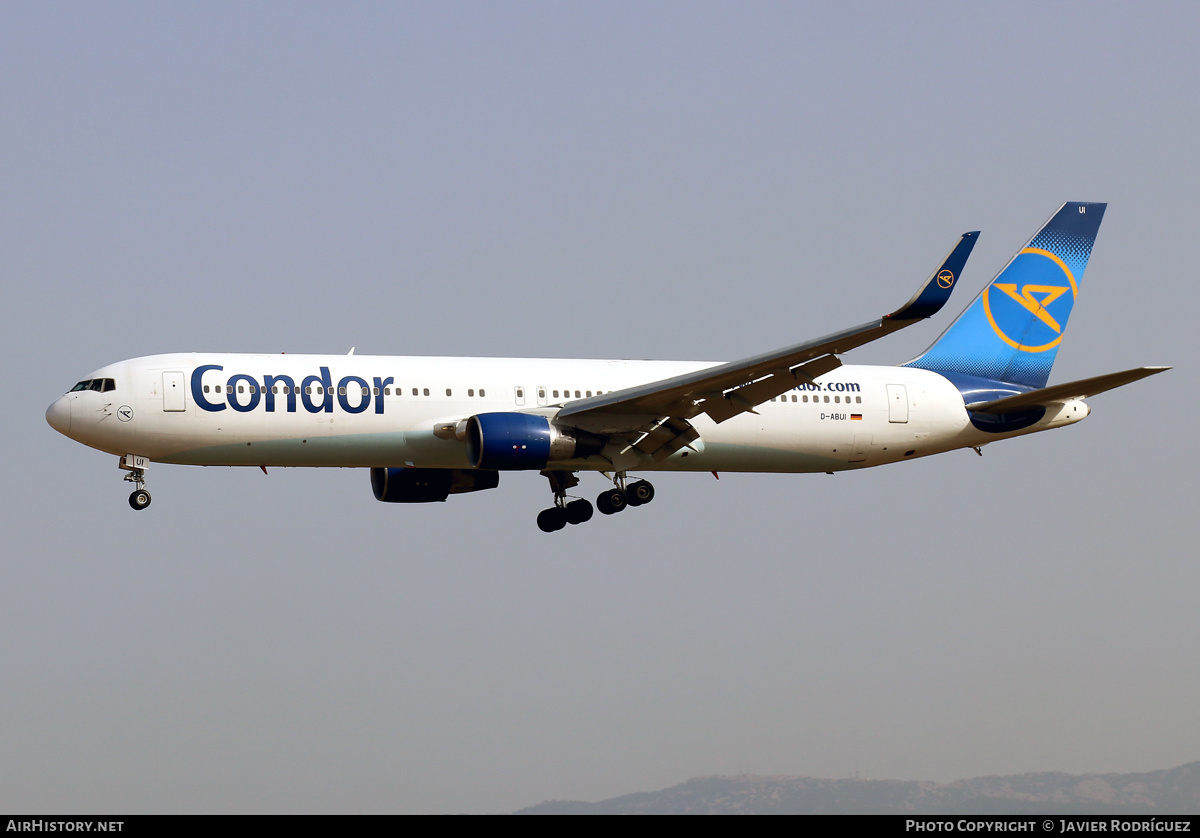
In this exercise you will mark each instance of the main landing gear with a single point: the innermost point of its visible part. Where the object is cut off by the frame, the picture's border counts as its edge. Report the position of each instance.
(136, 466)
(578, 511)
(563, 512)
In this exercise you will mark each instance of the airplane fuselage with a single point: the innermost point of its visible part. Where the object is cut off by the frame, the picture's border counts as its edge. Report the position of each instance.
(374, 411)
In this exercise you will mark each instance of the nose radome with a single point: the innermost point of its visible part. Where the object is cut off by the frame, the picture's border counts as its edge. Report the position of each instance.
(59, 415)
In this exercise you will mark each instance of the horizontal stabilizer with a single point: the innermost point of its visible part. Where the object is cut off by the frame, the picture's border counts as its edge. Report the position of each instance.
(1061, 392)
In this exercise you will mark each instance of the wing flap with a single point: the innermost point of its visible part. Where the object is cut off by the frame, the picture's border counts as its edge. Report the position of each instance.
(744, 399)
(665, 438)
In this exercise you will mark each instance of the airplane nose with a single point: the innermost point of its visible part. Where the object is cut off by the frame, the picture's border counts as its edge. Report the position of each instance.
(59, 415)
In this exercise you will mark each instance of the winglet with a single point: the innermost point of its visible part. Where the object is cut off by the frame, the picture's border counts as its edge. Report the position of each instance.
(931, 296)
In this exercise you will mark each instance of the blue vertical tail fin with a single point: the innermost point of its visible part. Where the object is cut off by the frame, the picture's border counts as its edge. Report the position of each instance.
(1012, 330)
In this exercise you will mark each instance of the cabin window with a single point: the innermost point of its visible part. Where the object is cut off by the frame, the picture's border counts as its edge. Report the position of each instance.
(426, 391)
(481, 392)
(447, 391)
(471, 393)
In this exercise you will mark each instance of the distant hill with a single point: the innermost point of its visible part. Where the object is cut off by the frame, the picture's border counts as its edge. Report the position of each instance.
(1174, 791)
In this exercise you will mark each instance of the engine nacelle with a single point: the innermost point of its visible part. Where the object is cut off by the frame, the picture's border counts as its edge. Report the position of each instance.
(523, 441)
(425, 485)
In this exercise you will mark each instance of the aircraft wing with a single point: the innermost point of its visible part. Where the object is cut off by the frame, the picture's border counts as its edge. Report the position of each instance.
(654, 416)
(1081, 389)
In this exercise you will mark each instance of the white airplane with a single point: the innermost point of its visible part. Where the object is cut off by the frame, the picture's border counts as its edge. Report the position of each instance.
(429, 427)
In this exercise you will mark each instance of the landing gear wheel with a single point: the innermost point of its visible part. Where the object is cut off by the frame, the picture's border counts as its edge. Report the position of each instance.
(611, 502)
(136, 468)
(578, 511)
(639, 492)
(552, 519)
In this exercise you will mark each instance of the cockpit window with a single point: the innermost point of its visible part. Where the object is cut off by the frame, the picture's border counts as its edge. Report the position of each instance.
(100, 385)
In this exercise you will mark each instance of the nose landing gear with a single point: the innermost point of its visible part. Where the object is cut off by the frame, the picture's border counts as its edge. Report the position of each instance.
(136, 466)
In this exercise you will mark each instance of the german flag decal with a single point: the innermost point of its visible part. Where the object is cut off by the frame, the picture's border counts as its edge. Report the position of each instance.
(855, 417)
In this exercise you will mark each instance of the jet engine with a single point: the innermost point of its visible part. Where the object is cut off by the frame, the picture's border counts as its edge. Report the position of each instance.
(425, 485)
(523, 441)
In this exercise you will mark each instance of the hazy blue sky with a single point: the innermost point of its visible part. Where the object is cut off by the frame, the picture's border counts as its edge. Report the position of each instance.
(667, 180)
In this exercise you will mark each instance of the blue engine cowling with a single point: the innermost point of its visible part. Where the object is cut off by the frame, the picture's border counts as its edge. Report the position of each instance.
(509, 441)
(426, 485)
